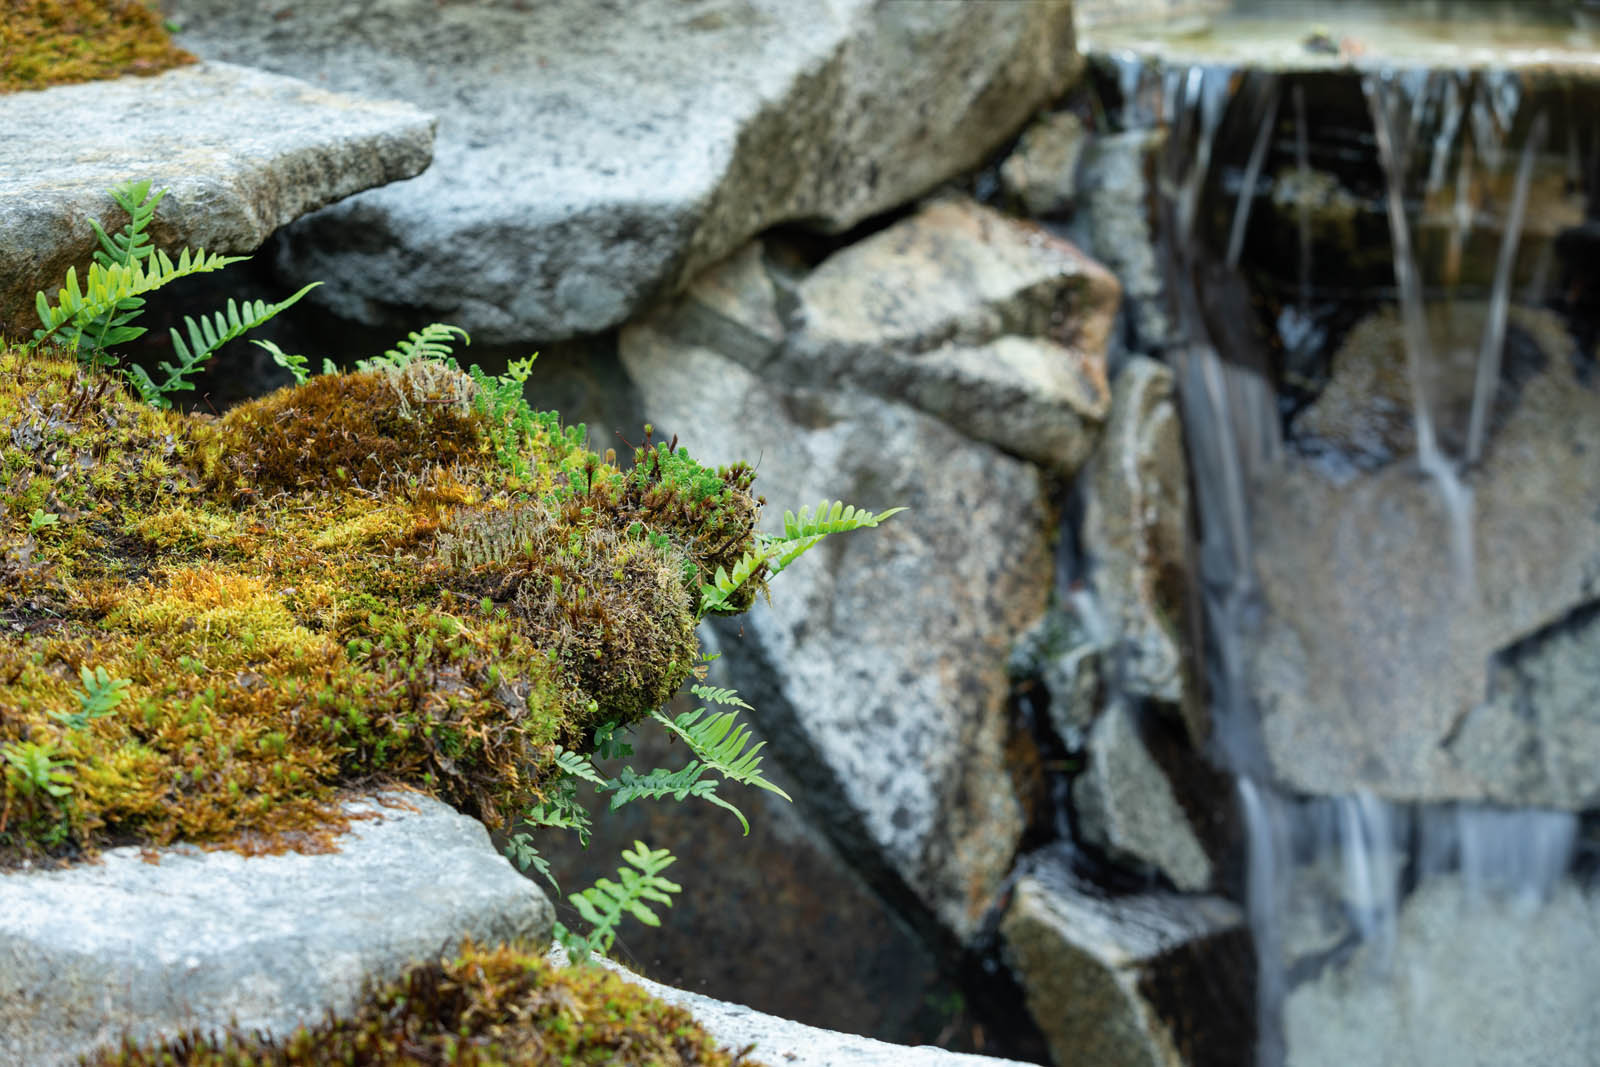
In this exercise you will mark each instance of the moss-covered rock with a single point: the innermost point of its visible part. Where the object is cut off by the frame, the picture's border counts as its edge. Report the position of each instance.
(341, 583)
(479, 1008)
(60, 42)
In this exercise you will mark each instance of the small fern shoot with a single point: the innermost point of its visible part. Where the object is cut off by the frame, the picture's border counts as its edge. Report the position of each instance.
(801, 533)
(604, 904)
(434, 341)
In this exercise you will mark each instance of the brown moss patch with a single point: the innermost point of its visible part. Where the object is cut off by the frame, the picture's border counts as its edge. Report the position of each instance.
(482, 1007)
(339, 585)
(62, 42)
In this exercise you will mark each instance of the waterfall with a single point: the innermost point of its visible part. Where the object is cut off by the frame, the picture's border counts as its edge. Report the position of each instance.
(1359, 853)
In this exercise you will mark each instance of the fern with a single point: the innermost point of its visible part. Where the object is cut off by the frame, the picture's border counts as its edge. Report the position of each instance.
(205, 337)
(719, 739)
(801, 533)
(433, 341)
(719, 696)
(604, 904)
(294, 364)
(562, 810)
(520, 850)
(680, 785)
(578, 766)
(100, 696)
(112, 297)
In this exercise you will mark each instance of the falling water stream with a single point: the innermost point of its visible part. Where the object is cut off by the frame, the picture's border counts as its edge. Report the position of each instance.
(1360, 851)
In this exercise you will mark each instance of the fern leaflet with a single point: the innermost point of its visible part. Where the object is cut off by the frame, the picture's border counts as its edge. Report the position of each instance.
(205, 337)
(801, 533)
(578, 767)
(719, 739)
(681, 784)
(604, 904)
(719, 696)
(132, 244)
(111, 297)
(434, 341)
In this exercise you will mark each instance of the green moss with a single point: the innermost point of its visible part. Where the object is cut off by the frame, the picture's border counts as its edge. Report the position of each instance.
(483, 1007)
(337, 585)
(61, 42)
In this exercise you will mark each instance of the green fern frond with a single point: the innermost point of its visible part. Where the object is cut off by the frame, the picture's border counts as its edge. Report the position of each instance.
(561, 809)
(604, 904)
(681, 784)
(205, 337)
(801, 533)
(577, 766)
(132, 243)
(719, 739)
(294, 364)
(728, 697)
(520, 850)
(434, 341)
(112, 294)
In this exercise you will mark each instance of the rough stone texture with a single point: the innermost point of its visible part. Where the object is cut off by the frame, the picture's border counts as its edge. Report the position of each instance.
(1042, 174)
(1136, 535)
(991, 324)
(1378, 664)
(1113, 224)
(1155, 980)
(593, 159)
(782, 1041)
(1126, 805)
(796, 932)
(1475, 983)
(269, 941)
(242, 151)
(880, 673)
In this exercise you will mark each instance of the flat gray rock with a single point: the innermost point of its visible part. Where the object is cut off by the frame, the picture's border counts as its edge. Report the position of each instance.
(791, 1044)
(242, 152)
(880, 672)
(204, 938)
(593, 157)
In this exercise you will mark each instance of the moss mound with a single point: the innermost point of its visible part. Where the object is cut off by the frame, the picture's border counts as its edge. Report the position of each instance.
(62, 42)
(210, 627)
(481, 1008)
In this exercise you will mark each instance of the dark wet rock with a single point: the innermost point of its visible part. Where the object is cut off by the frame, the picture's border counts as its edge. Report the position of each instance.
(1060, 652)
(1116, 199)
(242, 152)
(1151, 980)
(593, 159)
(1126, 805)
(209, 939)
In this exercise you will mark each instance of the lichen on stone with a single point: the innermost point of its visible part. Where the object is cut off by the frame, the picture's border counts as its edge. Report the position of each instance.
(480, 1007)
(62, 42)
(334, 586)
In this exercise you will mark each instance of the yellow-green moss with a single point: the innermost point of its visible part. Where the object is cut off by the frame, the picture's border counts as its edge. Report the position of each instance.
(61, 42)
(332, 586)
(482, 1008)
